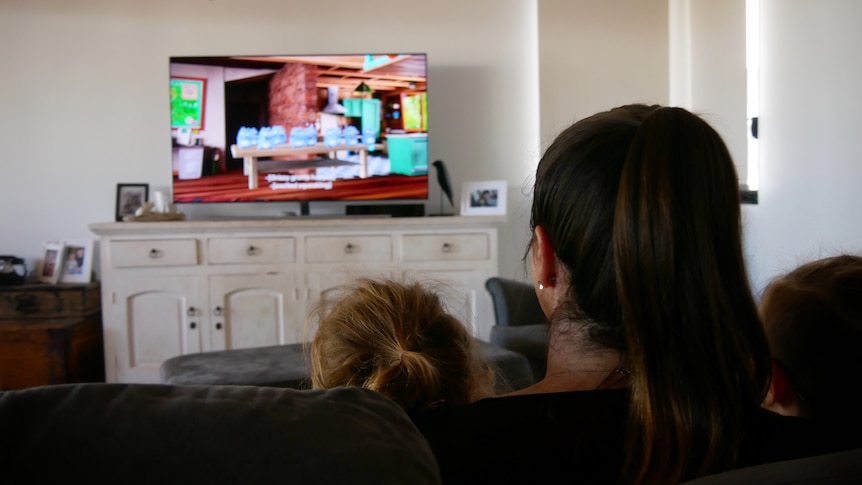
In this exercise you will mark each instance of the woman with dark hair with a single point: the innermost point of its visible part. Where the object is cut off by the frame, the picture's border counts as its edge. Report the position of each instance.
(657, 363)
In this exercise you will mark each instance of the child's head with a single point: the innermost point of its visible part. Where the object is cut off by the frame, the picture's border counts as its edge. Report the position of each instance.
(813, 321)
(397, 339)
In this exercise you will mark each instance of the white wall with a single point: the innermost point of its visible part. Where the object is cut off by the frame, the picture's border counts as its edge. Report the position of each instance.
(83, 98)
(594, 55)
(84, 95)
(811, 149)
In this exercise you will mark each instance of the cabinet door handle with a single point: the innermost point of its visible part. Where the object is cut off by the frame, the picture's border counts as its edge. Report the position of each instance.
(446, 247)
(193, 325)
(251, 251)
(218, 326)
(155, 253)
(217, 311)
(349, 249)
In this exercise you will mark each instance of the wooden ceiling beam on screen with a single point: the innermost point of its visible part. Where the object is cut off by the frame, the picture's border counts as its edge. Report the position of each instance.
(376, 75)
(350, 62)
(372, 83)
(392, 60)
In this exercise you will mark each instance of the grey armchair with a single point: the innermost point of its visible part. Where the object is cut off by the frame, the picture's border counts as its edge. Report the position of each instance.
(520, 323)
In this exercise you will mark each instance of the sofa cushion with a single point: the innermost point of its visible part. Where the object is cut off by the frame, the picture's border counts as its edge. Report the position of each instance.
(151, 433)
(288, 366)
(273, 366)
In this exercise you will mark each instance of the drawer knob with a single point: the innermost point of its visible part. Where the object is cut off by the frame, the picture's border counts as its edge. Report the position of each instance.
(218, 326)
(217, 311)
(446, 247)
(155, 253)
(251, 251)
(191, 312)
(193, 325)
(349, 249)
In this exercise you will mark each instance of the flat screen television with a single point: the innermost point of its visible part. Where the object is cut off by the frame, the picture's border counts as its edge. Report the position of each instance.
(299, 128)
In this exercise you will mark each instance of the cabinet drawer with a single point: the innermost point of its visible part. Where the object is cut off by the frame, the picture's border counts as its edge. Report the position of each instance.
(252, 250)
(437, 247)
(335, 249)
(154, 252)
(40, 301)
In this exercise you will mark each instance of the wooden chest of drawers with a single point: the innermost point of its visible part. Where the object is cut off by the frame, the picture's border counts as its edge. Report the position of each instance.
(50, 334)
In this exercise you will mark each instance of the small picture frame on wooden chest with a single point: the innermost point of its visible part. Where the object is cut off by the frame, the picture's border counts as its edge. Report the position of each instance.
(77, 261)
(51, 264)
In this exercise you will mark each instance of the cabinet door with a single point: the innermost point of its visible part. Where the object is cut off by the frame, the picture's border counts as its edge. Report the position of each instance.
(464, 296)
(150, 319)
(324, 286)
(254, 311)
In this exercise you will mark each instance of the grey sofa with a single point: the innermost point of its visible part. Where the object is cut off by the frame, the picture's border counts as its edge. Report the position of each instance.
(143, 433)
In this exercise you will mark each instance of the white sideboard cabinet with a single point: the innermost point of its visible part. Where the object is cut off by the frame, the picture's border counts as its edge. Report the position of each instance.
(173, 288)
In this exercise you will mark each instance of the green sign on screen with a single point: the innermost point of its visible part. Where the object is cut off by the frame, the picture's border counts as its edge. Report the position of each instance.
(187, 102)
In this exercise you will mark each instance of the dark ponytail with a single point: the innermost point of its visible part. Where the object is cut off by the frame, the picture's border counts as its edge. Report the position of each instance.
(688, 312)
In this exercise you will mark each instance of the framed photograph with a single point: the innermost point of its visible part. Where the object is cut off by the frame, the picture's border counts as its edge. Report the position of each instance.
(130, 197)
(77, 261)
(483, 198)
(51, 264)
(188, 98)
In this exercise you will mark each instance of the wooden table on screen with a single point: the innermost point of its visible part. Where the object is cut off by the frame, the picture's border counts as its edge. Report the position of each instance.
(250, 156)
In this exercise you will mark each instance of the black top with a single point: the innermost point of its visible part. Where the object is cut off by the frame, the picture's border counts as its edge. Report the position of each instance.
(577, 437)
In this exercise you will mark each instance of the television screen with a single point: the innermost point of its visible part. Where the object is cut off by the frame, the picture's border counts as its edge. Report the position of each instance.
(299, 128)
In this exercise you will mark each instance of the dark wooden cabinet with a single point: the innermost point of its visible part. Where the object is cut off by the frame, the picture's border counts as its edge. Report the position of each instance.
(50, 334)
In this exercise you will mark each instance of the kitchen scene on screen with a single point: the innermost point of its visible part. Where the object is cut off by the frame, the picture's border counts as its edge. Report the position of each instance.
(299, 128)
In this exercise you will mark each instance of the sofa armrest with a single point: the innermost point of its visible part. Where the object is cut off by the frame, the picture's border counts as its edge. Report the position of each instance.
(142, 433)
(843, 467)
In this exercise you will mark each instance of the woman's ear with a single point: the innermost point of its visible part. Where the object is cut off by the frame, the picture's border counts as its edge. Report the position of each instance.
(544, 259)
(546, 272)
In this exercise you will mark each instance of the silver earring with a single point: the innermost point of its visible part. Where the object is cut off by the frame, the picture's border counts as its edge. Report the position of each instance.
(541, 287)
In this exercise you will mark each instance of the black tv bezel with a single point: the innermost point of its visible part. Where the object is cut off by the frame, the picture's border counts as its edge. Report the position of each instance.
(243, 61)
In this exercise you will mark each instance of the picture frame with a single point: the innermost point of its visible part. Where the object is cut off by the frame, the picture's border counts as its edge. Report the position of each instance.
(483, 198)
(77, 261)
(188, 99)
(51, 263)
(130, 197)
